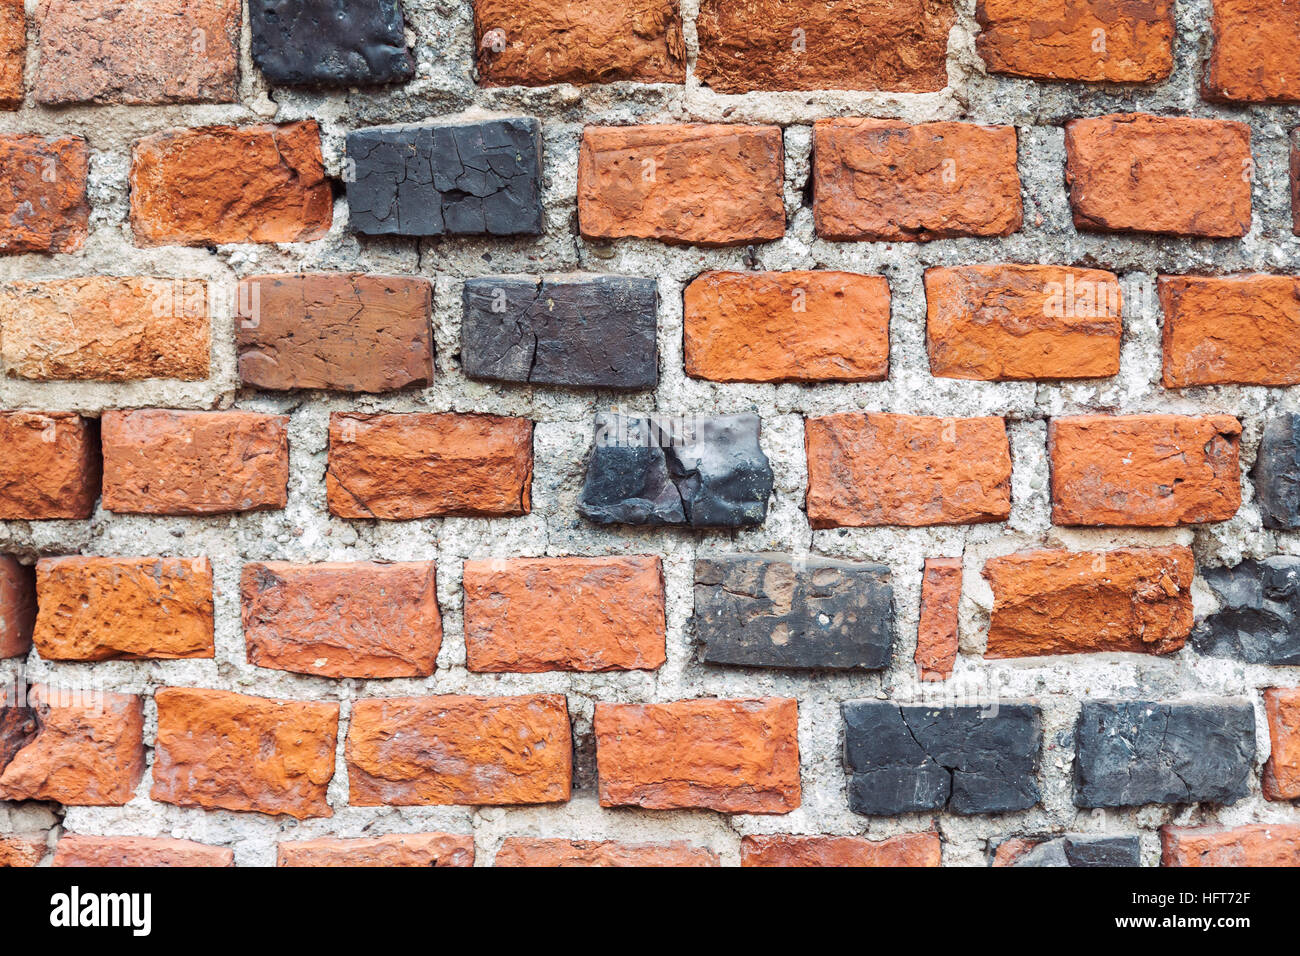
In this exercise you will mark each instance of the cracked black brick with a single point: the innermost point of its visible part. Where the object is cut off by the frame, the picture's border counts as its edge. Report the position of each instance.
(702, 472)
(767, 610)
(1258, 620)
(905, 758)
(458, 180)
(330, 42)
(1131, 753)
(1277, 473)
(580, 331)
(1079, 850)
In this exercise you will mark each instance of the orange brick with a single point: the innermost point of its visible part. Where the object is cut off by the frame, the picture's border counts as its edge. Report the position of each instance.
(18, 850)
(395, 849)
(937, 634)
(521, 851)
(97, 851)
(1259, 844)
(1256, 51)
(1282, 772)
(17, 607)
(51, 466)
(13, 53)
(910, 849)
(43, 206)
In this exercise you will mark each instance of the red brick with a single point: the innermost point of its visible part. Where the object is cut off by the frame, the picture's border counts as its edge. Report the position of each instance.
(522, 851)
(428, 751)
(1282, 772)
(787, 327)
(51, 466)
(693, 183)
(888, 181)
(217, 184)
(161, 462)
(19, 850)
(1255, 52)
(1158, 174)
(1259, 844)
(874, 469)
(1002, 323)
(909, 849)
(98, 609)
(1154, 471)
(43, 206)
(735, 756)
(395, 849)
(342, 620)
(937, 634)
(399, 467)
(13, 53)
(581, 614)
(17, 607)
(216, 749)
(97, 851)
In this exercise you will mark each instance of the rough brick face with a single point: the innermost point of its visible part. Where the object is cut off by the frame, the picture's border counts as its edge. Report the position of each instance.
(113, 851)
(787, 327)
(17, 607)
(1153, 174)
(875, 469)
(43, 205)
(22, 850)
(1154, 471)
(194, 463)
(518, 851)
(13, 53)
(884, 180)
(51, 466)
(1282, 772)
(1259, 844)
(910, 849)
(1258, 611)
(216, 749)
(395, 849)
(362, 619)
(1255, 52)
(937, 631)
(581, 614)
(693, 183)
(325, 43)
(735, 756)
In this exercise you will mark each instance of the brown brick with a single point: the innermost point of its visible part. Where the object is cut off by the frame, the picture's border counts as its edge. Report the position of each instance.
(580, 614)
(1091, 40)
(874, 469)
(161, 462)
(22, 850)
(342, 620)
(887, 181)
(98, 609)
(1158, 174)
(43, 206)
(1255, 52)
(138, 51)
(1238, 330)
(1282, 772)
(1155, 471)
(346, 331)
(834, 44)
(735, 756)
(578, 41)
(1135, 600)
(101, 851)
(422, 751)
(17, 607)
(216, 749)
(937, 634)
(787, 327)
(522, 851)
(399, 467)
(693, 183)
(1259, 844)
(394, 849)
(1001, 323)
(104, 328)
(50, 468)
(215, 184)
(13, 53)
(909, 849)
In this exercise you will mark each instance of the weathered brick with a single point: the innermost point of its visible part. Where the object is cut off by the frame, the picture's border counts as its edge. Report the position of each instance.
(342, 331)
(465, 179)
(888, 181)
(964, 759)
(399, 467)
(1258, 615)
(1131, 172)
(138, 51)
(161, 462)
(1072, 850)
(1277, 472)
(217, 749)
(1155, 471)
(787, 327)
(907, 850)
(768, 610)
(522, 851)
(693, 183)
(837, 44)
(394, 849)
(105, 329)
(98, 609)
(578, 41)
(13, 53)
(81, 748)
(360, 619)
(937, 633)
(423, 751)
(1295, 181)
(1255, 52)
(218, 184)
(877, 469)
(104, 851)
(22, 850)
(1134, 752)
(51, 466)
(1089, 40)
(1258, 844)
(1004, 323)
(1282, 772)
(1135, 600)
(17, 607)
(43, 205)
(579, 331)
(734, 756)
(578, 614)
(325, 43)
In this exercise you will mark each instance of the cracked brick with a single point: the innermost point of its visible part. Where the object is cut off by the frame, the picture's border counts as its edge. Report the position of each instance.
(1072, 850)
(1258, 620)
(1277, 473)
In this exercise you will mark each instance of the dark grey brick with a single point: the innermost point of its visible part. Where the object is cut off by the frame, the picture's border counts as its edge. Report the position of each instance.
(1130, 753)
(1079, 850)
(18, 728)
(580, 331)
(1258, 620)
(330, 42)
(913, 758)
(1277, 473)
(769, 610)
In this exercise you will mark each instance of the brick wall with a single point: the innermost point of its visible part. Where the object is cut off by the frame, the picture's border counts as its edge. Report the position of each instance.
(756, 433)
